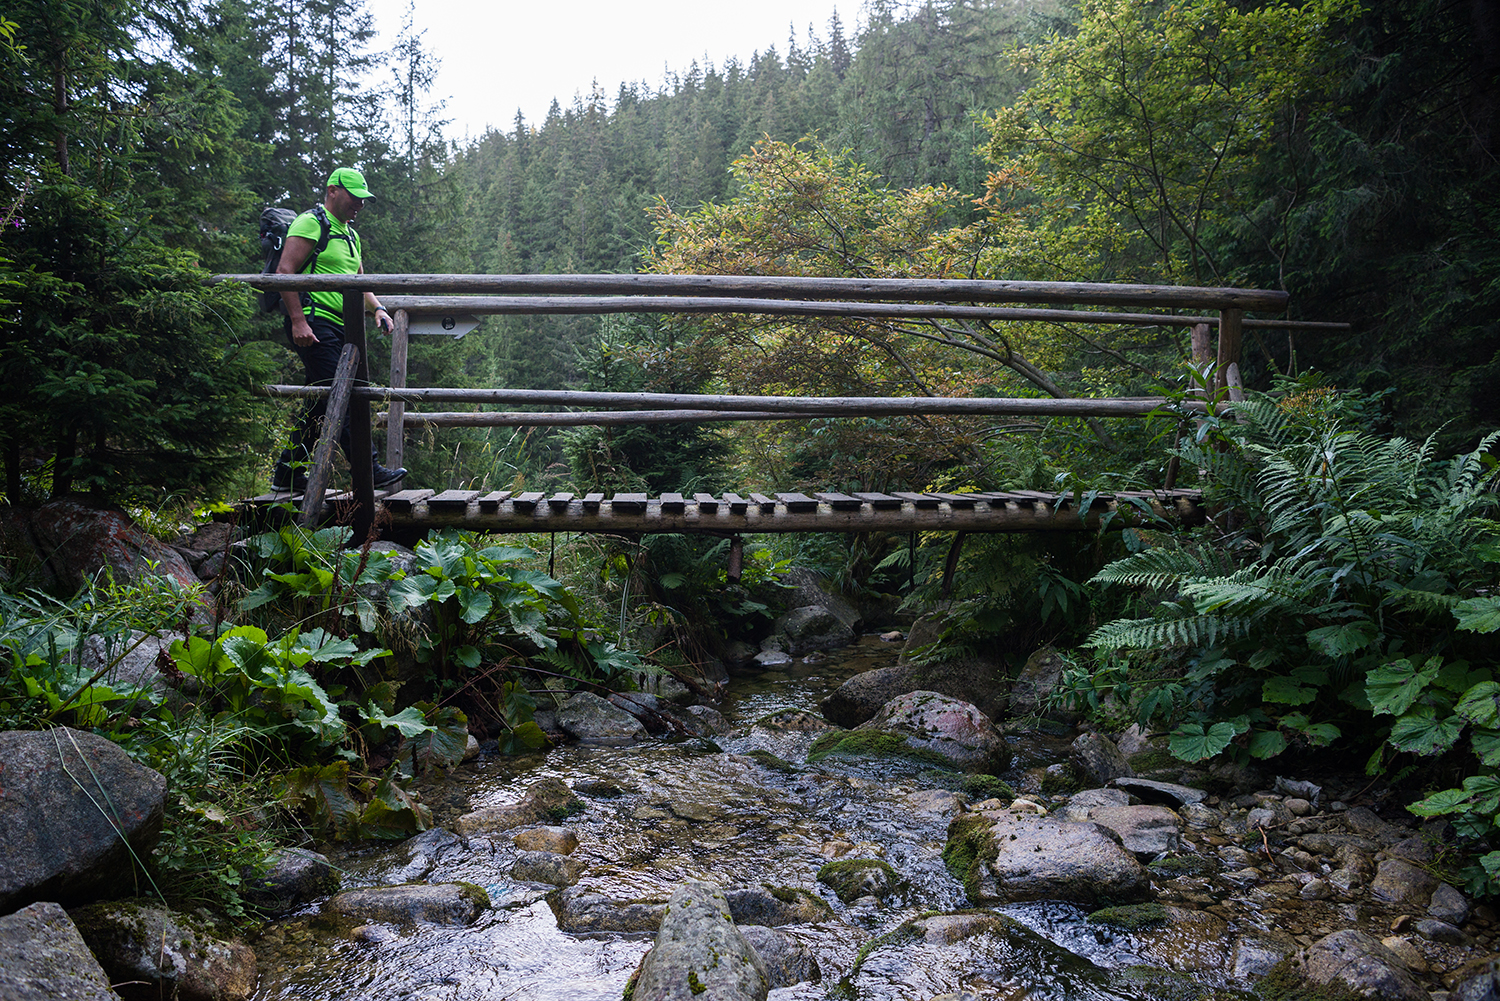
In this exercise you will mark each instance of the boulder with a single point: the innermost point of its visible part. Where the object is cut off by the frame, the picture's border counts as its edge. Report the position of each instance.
(700, 954)
(547, 799)
(592, 719)
(979, 682)
(295, 876)
(787, 960)
(950, 728)
(136, 659)
(1145, 831)
(813, 627)
(1152, 791)
(1399, 882)
(810, 589)
(579, 910)
(546, 867)
(1033, 687)
(852, 878)
(1098, 759)
(1361, 963)
(1448, 905)
(43, 958)
(59, 843)
(175, 955)
(774, 906)
(64, 543)
(1004, 858)
(558, 840)
(409, 903)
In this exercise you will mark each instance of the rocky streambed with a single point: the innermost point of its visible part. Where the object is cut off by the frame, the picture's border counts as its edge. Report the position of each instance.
(851, 864)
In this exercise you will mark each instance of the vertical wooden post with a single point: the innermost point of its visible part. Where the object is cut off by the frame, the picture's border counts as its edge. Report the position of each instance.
(395, 438)
(1231, 337)
(361, 455)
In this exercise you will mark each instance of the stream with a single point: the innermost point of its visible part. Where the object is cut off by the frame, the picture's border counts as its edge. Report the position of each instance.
(660, 812)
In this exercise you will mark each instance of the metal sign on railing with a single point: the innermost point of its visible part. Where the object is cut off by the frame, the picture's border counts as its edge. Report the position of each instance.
(442, 325)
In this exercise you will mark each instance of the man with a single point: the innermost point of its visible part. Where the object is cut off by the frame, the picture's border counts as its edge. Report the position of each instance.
(315, 323)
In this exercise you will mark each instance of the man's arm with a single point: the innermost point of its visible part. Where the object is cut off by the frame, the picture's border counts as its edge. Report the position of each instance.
(294, 255)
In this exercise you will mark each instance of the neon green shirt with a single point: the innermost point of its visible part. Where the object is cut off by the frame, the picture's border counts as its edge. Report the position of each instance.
(340, 257)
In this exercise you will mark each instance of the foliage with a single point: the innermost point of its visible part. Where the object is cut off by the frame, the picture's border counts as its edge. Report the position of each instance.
(1350, 578)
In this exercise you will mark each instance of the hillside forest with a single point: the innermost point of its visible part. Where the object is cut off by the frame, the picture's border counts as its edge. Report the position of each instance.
(1343, 151)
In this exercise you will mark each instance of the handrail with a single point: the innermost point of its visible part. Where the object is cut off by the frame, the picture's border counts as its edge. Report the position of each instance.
(930, 289)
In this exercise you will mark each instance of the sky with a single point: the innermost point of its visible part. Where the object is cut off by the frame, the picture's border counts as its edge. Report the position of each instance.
(501, 55)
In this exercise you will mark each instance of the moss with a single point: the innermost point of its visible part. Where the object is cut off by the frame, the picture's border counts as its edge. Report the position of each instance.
(1154, 759)
(694, 984)
(563, 811)
(1131, 917)
(1185, 865)
(1168, 985)
(475, 894)
(1285, 982)
(845, 877)
(981, 787)
(768, 760)
(872, 744)
(630, 984)
(1061, 782)
(971, 843)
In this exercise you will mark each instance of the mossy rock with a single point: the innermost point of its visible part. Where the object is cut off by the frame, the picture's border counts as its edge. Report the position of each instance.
(971, 843)
(1186, 865)
(768, 760)
(1285, 982)
(1169, 985)
(873, 744)
(1131, 917)
(982, 787)
(1155, 759)
(855, 878)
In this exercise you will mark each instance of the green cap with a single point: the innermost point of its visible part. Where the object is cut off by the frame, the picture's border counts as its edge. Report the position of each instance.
(351, 181)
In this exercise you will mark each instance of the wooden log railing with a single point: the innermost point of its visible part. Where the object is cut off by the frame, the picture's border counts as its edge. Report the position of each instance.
(853, 297)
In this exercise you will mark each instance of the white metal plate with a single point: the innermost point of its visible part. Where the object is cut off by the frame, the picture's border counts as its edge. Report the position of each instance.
(434, 324)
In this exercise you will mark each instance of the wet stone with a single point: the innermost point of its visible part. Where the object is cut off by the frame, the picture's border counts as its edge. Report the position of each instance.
(1152, 791)
(559, 840)
(775, 906)
(788, 962)
(546, 867)
(1361, 963)
(1399, 882)
(1255, 955)
(1147, 831)
(583, 910)
(1099, 758)
(441, 903)
(1441, 931)
(1448, 905)
(1199, 816)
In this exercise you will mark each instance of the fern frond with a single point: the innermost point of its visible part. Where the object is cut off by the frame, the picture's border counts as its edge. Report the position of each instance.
(1161, 568)
(1276, 590)
(1187, 631)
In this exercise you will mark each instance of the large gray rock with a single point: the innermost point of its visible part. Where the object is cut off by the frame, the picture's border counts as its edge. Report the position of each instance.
(131, 661)
(952, 728)
(582, 910)
(546, 799)
(813, 627)
(63, 543)
(175, 955)
(74, 812)
(787, 960)
(1362, 963)
(699, 954)
(1399, 882)
(811, 589)
(1006, 857)
(1145, 831)
(591, 719)
(773, 906)
(1033, 687)
(1099, 759)
(295, 876)
(409, 903)
(43, 958)
(974, 680)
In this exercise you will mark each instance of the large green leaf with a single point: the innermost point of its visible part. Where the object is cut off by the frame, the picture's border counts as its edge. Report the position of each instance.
(1479, 615)
(1426, 735)
(324, 793)
(1191, 742)
(1395, 687)
(473, 605)
(409, 722)
(1339, 641)
(1266, 744)
(393, 812)
(1481, 704)
(1487, 747)
(1287, 691)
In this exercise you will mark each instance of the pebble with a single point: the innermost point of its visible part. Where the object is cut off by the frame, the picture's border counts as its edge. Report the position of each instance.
(1299, 807)
(1316, 889)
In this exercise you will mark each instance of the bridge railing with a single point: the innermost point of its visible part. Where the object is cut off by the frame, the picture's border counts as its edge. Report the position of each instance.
(411, 296)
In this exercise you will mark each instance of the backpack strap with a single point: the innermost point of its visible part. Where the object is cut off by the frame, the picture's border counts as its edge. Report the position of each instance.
(325, 228)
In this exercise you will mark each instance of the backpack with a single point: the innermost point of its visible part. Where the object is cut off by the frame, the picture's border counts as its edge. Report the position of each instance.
(274, 222)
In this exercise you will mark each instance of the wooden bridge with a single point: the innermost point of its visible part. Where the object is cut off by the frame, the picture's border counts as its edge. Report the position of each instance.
(411, 512)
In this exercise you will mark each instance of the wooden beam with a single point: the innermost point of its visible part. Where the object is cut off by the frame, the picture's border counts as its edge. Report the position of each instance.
(801, 406)
(930, 289)
(395, 431)
(328, 436)
(361, 452)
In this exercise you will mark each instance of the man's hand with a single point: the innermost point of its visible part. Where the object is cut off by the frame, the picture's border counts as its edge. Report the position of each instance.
(383, 320)
(302, 333)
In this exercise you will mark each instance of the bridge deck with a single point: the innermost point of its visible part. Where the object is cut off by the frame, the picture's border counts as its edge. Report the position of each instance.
(505, 511)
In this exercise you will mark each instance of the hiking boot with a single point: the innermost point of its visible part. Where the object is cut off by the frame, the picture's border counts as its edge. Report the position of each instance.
(384, 477)
(288, 479)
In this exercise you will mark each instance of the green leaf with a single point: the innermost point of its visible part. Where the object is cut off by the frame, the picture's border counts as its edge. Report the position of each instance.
(474, 605)
(525, 737)
(1425, 735)
(1287, 691)
(1440, 803)
(1487, 747)
(409, 722)
(1395, 687)
(324, 793)
(1481, 704)
(393, 812)
(1266, 744)
(1339, 641)
(1479, 615)
(1191, 742)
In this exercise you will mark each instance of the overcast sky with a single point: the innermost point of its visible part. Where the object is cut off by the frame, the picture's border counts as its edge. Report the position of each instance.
(501, 55)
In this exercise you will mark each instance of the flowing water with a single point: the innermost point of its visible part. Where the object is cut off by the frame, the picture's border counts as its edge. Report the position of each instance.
(659, 813)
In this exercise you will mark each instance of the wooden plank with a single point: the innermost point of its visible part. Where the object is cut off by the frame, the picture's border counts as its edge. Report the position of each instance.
(960, 502)
(840, 502)
(706, 502)
(559, 502)
(591, 501)
(490, 502)
(923, 502)
(798, 503)
(737, 504)
(452, 500)
(527, 501)
(672, 503)
(404, 500)
(628, 503)
(879, 501)
(766, 504)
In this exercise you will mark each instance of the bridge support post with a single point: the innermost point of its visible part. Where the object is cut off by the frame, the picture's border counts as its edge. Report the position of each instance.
(1231, 337)
(360, 451)
(395, 431)
(328, 436)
